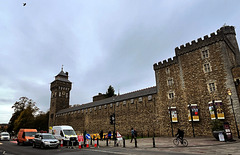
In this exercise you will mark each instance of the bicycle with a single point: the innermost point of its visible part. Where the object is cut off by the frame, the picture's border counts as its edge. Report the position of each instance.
(177, 140)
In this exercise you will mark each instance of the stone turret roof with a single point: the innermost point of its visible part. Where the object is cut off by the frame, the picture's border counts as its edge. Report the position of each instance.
(119, 98)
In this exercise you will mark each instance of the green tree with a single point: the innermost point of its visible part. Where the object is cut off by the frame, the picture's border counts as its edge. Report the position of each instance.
(110, 92)
(23, 116)
(41, 121)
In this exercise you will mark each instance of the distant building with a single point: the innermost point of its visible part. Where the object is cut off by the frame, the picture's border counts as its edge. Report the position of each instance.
(192, 86)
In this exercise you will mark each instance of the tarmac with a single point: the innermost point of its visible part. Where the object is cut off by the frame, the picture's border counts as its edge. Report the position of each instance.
(197, 145)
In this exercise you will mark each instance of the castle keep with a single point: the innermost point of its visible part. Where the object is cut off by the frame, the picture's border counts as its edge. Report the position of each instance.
(191, 90)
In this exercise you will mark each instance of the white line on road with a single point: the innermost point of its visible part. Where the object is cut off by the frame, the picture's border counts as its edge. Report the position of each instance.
(110, 152)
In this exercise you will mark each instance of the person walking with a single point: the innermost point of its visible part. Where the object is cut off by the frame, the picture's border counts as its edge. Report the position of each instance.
(101, 135)
(132, 135)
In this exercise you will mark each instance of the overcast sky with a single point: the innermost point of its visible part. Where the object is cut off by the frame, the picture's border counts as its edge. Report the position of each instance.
(99, 42)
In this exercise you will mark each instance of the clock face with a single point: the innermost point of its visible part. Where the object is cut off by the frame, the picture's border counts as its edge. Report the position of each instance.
(63, 92)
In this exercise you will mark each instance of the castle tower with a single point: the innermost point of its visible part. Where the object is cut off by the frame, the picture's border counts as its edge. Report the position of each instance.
(60, 93)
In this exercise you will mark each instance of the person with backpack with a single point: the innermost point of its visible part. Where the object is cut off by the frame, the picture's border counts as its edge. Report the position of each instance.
(132, 134)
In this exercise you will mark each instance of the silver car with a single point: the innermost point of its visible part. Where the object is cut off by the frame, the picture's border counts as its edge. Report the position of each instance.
(45, 140)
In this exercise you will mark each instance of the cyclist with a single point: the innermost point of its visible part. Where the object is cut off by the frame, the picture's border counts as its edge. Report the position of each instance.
(180, 135)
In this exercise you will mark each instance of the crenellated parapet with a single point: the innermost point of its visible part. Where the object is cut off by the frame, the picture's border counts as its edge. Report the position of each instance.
(207, 40)
(165, 63)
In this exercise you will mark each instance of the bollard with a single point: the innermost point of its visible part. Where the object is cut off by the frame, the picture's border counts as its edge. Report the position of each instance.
(97, 142)
(135, 142)
(153, 142)
(123, 141)
(91, 142)
(107, 141)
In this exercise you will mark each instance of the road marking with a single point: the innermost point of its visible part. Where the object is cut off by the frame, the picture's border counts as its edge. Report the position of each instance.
(109, 152)
(14, 142)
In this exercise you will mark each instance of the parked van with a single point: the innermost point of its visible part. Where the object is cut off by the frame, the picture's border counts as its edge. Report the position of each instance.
(4, 136)
(65, 133)
(26, 136)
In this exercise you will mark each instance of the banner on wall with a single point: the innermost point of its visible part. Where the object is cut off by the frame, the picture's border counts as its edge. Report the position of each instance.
(219, 109)
(217, 106)
(173, 113)
(195, 112)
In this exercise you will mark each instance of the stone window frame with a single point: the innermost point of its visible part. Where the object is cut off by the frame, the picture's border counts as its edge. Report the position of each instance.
(100, 107)
(205, 53)
(111, 105)
(105, 106)
(171, 95)
(212, 87)
(95, 108)
(132, 101)
(207, 67)
(170, 82)
(59, 94)
(124, 103)
(149, 97)
(117, 104)
(140, 99)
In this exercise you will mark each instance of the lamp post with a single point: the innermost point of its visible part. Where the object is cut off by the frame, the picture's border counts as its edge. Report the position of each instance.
(190, 108)
(230, 95)
(170, 113)
(114, 123)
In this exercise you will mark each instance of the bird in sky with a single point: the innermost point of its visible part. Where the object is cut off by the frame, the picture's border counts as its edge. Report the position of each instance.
(24, 4)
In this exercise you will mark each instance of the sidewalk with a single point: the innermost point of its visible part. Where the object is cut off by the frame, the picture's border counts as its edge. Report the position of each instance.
(195, 145)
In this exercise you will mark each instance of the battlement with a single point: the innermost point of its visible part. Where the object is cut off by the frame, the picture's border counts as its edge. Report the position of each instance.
(165, 63)
(207, 40)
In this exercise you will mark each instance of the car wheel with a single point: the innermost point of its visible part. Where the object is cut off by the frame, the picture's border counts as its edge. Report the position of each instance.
(34, 145)
(41, 146)
(57, 147)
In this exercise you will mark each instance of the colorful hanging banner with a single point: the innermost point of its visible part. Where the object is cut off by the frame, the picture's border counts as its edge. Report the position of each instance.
(173, 112)
(195, 113)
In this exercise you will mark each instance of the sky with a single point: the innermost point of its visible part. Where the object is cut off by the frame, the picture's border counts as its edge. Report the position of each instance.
(98, 42)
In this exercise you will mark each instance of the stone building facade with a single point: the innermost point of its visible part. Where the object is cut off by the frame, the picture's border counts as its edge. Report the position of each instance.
(197, 78)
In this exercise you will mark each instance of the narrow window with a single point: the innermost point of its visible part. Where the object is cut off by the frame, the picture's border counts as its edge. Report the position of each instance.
(167, 70)
(207, 67)
(170, 95)
(205, 54)
(170, 82)
(212, 87)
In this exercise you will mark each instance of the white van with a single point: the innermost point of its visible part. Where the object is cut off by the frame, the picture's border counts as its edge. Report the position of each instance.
(4, 136)
(65, 133)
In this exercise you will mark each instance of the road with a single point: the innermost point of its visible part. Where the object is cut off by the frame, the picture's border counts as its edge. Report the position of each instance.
(11, 148)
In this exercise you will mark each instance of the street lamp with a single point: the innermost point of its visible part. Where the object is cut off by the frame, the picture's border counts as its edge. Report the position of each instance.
(230, 95)
(170, 113)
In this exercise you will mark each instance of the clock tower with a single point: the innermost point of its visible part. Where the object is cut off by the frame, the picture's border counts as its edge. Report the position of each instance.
(60, 93)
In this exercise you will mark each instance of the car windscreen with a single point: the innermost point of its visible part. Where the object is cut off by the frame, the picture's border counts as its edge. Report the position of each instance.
(30, 134)
(5, 134)
(48, 137)
(69, 132)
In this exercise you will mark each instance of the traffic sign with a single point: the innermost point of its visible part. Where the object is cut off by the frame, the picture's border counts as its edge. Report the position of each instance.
(80, 138)
(88, 136)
